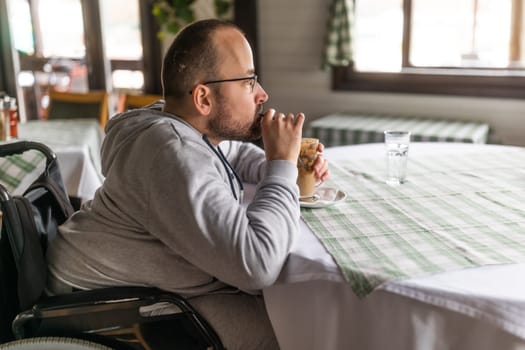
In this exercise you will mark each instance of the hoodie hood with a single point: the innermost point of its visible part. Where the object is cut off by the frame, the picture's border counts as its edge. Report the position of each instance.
(124, 128)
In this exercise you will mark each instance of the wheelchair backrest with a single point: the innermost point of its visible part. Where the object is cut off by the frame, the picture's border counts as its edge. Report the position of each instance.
(29, 222)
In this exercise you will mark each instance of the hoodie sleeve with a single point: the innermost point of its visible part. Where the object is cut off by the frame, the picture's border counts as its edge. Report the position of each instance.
(246, 158)
(192, 210)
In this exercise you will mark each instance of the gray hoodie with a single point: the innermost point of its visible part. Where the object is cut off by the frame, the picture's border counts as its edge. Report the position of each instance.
(166, 215)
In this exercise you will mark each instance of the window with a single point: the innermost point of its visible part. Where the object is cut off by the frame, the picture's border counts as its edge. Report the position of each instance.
(22, 28)
(54, 41)
(78, 60)
(459, 47)
(50, 56)
(122, 42)
(74, 59)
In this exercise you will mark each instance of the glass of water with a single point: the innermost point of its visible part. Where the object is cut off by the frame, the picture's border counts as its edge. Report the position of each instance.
(396, 144)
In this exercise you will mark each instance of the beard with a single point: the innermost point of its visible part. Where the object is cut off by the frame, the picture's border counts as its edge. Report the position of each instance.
(223, 125)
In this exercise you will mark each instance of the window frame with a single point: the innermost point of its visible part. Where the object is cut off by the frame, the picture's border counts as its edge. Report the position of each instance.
(150, 64)
(245, 17)
(440, 81)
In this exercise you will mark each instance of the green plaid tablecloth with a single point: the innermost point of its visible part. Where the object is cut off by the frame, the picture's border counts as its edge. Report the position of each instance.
(18, 171)
(20, 168)
(63, 132)
(346, 129)
(455, 211)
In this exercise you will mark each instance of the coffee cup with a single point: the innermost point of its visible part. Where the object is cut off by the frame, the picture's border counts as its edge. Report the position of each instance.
(305, 165)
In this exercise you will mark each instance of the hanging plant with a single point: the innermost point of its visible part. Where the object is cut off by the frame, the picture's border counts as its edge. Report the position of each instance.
(172, 15)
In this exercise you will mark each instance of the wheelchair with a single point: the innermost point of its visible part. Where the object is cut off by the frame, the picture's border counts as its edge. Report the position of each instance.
(107, 318)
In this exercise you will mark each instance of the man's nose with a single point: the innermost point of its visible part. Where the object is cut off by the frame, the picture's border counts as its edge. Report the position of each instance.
(262, 96)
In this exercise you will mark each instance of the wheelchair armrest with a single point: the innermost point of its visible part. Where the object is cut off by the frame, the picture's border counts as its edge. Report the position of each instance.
(101, 310)
(102, 295)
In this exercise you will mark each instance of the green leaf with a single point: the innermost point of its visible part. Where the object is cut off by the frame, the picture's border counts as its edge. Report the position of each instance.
(222, 7)
(171, 15)
(173, 27)
(156, 11)
(182, 3)
(186, 14)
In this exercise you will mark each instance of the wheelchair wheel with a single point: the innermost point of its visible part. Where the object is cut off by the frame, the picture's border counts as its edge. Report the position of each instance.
(52, 343)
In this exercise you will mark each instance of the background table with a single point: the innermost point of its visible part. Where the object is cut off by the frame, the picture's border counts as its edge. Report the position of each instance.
(347, 129)
(313, 307)
(77, 146)
(65, 133)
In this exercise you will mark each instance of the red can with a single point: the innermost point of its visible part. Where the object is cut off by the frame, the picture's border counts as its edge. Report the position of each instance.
(13, 119)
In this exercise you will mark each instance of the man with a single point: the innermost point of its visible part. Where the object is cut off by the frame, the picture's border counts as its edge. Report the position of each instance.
(169, 213)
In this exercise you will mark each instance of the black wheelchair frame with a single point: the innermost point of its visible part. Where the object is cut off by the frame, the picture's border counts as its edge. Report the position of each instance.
(113, 317)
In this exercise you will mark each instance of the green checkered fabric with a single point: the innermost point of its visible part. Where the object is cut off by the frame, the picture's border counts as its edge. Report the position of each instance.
(455, 211)
(63, 133)
(13, 169)
(346, 129)
(338, 50)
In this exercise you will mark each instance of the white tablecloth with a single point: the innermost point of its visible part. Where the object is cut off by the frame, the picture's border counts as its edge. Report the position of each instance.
(64, 133)
(77, 146)
(80, 175)
(78, 172)
(312, 307)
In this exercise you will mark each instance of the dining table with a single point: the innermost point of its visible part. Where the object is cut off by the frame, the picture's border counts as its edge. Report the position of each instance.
(76, 144)
(437, 262)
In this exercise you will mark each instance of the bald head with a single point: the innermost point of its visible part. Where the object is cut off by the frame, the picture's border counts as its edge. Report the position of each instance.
(193, 57)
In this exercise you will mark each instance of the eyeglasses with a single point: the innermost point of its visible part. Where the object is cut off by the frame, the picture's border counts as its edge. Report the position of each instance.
(252, 79)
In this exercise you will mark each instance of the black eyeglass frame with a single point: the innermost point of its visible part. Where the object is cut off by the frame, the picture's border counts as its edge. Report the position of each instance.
(253, 77)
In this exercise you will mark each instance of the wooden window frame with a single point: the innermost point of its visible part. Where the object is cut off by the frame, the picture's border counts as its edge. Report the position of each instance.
(496, 83)
(245, 16)
(95, 57)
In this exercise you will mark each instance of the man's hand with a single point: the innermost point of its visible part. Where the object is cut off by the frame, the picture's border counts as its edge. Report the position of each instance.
(281, 135)
(321, 165)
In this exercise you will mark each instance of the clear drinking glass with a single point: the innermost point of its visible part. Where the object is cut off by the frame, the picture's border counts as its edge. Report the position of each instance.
(396, 144)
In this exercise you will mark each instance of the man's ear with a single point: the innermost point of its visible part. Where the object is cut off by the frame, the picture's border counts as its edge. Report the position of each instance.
(202, 99)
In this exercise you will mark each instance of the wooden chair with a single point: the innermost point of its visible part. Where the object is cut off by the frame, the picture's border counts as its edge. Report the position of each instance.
(133, 101)
(72, 105)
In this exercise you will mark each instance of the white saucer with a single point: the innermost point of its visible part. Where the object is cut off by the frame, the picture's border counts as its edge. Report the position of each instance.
(324, 197)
